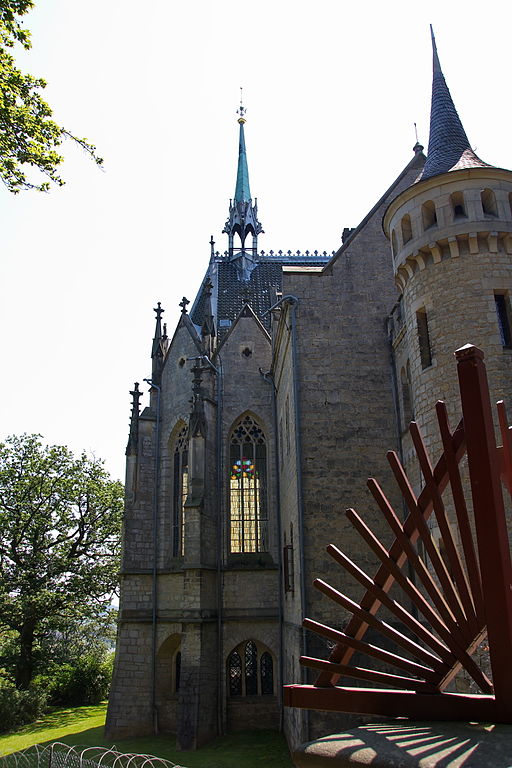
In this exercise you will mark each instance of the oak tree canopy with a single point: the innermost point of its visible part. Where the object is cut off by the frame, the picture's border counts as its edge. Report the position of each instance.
(29, 138)
(60, 524)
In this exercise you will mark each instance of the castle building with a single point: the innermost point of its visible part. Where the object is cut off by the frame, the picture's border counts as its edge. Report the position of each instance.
(278, 394)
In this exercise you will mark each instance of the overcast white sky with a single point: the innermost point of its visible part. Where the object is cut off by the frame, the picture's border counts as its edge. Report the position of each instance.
(332, 91)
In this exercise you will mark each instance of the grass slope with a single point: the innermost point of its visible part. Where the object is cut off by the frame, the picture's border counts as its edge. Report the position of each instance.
(84, 725)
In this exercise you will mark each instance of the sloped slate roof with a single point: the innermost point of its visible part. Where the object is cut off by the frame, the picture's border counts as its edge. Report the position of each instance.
(259, 291)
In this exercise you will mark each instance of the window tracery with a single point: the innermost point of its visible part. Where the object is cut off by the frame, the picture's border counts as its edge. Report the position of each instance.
(250, 671)
(180, 490)
(248, 488)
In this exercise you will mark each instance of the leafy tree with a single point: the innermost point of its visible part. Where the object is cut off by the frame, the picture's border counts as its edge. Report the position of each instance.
(28, 135)
(60, 520)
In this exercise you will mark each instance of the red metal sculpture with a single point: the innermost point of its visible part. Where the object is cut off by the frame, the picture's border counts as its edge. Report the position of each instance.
(465, 594)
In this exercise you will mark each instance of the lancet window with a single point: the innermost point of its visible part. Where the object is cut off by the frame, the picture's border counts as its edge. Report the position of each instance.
(248, 488)
(250, 671)
(180, 490)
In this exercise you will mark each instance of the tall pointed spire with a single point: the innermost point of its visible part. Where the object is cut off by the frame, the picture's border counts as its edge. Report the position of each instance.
(243, 215)
(242, 188)
(448, 146)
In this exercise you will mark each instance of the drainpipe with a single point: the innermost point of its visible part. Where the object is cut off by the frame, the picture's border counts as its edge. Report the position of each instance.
(154, 596)
(270, 380)
(220, 518)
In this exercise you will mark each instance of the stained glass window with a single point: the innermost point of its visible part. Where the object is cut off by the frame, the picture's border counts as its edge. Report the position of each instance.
(180, 490)
(250, 671)
(248, 488)
(235, 674)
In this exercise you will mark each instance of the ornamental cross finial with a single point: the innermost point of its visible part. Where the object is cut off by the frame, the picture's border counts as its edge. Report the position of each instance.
(241, 109)
(183, 304)
(159, 311)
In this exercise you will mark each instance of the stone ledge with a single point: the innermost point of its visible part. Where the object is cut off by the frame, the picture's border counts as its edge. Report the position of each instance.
(407, 744)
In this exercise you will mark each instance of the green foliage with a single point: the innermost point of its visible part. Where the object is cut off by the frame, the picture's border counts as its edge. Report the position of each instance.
(60, 520)
(86, 681)
(19, 707)
(29, 138)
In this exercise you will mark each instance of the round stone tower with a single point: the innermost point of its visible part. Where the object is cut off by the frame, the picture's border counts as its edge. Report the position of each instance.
(451, 240)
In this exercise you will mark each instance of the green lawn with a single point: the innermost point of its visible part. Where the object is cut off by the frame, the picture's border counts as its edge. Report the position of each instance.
(84, 725)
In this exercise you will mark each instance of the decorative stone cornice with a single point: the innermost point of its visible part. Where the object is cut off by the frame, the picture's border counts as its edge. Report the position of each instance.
(460, 245)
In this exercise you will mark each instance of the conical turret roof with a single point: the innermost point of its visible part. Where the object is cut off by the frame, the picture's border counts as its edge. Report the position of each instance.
(448, 146)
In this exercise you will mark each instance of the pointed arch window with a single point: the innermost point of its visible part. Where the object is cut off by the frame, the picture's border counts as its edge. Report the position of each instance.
(250, 671)
(180, 490)
(266, 674)
(248, 488)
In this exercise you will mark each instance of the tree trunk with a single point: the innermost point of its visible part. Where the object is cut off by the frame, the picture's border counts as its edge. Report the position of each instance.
(25, 662)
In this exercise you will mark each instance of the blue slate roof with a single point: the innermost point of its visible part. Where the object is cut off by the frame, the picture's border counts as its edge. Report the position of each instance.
(448, 146)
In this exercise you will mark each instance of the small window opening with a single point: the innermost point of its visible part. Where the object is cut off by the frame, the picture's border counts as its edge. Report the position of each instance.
(406, 397)
(406, 229)
(423, 338)
(488, 199)
(503, 313)
(181, 362)
(428, 214)
(288, 565)
(247, 352)
(458, 209)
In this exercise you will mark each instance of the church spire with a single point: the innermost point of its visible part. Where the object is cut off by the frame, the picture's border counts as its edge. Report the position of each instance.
(448, 147)
(243, 215)
(242, 189)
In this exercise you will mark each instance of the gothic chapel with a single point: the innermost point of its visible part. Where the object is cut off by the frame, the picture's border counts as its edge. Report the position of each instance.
(278, 394)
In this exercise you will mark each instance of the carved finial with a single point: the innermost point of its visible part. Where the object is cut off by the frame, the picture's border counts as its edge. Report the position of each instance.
(197, 422)
(133, 438)
(212, 246)
(417, 147)
(159, 311)
(241, 109)
(183, 304)
(135, 394)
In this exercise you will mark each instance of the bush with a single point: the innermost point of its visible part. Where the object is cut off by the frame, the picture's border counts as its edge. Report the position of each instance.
(20, 707)
(86, 681)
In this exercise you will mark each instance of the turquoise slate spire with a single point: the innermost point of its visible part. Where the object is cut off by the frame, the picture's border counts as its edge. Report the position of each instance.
(243, 215)
(448, 146)
(242, 189)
